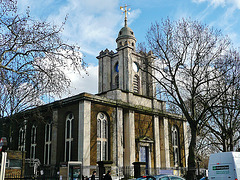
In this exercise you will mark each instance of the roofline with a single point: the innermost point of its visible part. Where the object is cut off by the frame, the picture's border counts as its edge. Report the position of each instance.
(102, 100)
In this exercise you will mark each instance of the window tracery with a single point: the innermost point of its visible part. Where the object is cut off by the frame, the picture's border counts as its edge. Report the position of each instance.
(33, 142)
(68, 137)
(48, 143)
(102, 137)
(175, 144)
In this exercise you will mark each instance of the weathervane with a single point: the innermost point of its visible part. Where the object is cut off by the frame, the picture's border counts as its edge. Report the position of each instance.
(126, 11)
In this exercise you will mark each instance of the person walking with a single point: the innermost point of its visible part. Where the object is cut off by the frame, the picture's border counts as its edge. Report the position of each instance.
(108, 176)
(93, 175)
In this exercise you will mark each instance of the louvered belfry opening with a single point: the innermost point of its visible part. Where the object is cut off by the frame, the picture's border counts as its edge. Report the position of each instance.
(136, 84)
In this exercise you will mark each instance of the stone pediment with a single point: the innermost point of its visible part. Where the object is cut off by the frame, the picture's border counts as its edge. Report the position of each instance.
(145, 139)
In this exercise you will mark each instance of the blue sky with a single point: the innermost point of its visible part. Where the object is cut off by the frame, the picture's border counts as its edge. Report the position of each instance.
(94, 24)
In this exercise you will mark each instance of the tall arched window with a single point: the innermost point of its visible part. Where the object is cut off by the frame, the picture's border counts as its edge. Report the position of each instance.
(21, 139)
(33, 142)
(136, 84)
(68, 137)
(102, 137)
(48, 143)
(175, 144)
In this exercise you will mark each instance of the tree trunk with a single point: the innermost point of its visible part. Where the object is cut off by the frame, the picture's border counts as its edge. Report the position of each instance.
(224, 145)
(231, 141)
(191, 173)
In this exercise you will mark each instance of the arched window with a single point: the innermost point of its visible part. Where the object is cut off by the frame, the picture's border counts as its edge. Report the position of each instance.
(102, 137)
(48, 143)
(136, 84)
(68, 137)
(116, 67)
(21, 139)
(175, 144)
(117, 81)
(33, 142)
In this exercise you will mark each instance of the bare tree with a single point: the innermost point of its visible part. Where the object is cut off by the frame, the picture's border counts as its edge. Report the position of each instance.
(33, 58)
(191, 60)
(224, 119)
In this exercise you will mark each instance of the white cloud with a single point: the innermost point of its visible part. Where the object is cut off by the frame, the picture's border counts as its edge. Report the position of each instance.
(216, 3)
(199, 1)
(84, 82)
(133, 15)
(237, 3)
(227, 20)
(92, 24)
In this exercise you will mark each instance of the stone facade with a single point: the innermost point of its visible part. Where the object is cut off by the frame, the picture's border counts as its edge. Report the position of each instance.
(138, 127)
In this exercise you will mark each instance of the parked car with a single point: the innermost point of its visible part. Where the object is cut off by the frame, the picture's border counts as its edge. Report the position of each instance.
(204, 178)
(161, 177)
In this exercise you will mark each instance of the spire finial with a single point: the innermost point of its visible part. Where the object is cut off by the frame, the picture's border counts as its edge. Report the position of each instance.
(126, 11)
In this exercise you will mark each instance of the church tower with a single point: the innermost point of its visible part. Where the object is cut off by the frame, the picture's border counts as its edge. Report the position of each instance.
(126, 70)
(124, 124)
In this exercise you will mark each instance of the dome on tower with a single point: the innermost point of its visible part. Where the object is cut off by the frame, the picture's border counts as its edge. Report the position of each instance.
(126, 33)
(126, 36)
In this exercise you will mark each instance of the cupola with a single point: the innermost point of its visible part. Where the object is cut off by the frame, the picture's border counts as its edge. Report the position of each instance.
(126, 36)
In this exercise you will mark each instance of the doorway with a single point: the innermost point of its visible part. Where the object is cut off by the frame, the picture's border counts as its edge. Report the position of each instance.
(144, 156)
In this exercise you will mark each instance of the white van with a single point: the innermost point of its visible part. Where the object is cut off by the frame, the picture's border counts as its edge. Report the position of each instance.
(224, 166)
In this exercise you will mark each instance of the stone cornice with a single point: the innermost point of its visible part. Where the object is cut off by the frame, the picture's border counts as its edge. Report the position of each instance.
(115, 103)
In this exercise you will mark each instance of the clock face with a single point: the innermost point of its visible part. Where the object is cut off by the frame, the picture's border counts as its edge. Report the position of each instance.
(135, 67)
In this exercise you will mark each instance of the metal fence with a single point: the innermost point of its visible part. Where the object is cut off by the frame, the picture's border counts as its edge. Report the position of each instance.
(30, 178)
(117, 173)
(128, 171)
(44, 173)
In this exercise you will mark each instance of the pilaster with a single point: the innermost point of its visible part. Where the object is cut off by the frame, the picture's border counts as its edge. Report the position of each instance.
(185, 141)
(121, 65)
(54, 135)
(106, 74)
(84, 129)
(127, 71)
(166, 142)
(119, 138)
(129, 127)
(100, 75)
(157, 142)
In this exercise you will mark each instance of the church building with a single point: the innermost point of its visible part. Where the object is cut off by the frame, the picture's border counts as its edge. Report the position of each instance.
(124, 123)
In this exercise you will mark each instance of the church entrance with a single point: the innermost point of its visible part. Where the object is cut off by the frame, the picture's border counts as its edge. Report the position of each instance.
(144, 156)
